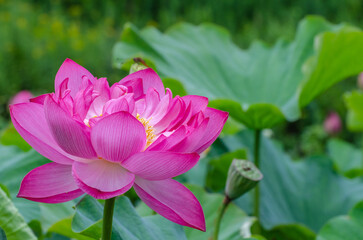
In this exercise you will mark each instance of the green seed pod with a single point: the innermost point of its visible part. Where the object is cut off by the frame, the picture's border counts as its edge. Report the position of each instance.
(243, 175)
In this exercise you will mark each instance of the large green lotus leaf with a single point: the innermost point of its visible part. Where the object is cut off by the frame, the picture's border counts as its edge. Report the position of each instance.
(10, 136)
(2, 234)
(11, 221)
(347, 159)
(344, 227)
(308, 191)
(354, 103)
(232, 222)
(15, 164)
(64, 228)
(258, 115)
(127, 224)
(283, 77)
(290, 232)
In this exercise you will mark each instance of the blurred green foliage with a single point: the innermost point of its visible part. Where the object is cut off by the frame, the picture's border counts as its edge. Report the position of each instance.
(37, 35)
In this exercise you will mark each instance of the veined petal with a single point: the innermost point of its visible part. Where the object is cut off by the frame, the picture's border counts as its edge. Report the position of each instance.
(152, 100)
(170, 113)
(118, 136)
(191, 142)
(118, 90)
(74, 72)
(29, 120)
(40, 99)
(164, 143)
(171, 200)
(124, 103)
(71, 135)
(103, 175)
(50, 183)
(160, 165)
(150, 79)
(102, 179)
(83, 99)
(217, 119)
(161, 110)
(198, 103)
(100, 94)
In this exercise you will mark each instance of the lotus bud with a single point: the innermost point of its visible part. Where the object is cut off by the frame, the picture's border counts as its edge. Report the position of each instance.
(332, 124)
(243, 175)
(21, 97)
(360, 81)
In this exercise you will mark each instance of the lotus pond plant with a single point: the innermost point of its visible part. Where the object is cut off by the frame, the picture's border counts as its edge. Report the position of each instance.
(104, 140)
(21, 97)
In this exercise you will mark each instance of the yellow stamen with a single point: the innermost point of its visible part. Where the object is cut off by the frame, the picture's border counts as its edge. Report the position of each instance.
(91, 118)
(148, 129)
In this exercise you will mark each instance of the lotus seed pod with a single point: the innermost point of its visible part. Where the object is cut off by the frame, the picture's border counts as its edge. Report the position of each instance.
(243, 175)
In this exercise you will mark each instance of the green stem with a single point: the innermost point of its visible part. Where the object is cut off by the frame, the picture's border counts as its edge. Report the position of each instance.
(226, 201)
(256, 211)
(107, 218)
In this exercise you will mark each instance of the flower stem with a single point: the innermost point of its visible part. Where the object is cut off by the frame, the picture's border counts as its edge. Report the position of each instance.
(226, 201)
(107, 218)
(256, 211)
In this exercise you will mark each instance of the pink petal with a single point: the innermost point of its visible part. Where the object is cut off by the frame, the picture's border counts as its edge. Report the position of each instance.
(124, 103)
(217, 119)
(140, 105)
(71, 135)
(161, 110)
(160, 165)
(29, 120)
(74, 73)
(63, 86)
(171, 200)
(170, 115)
(152, 100)
(198, 103)
(40, 99)
(103, 175)
(101, 94)
(183, 118)
(50, 183)
(133, 86)
(84, 98)
(164, 143)
(150, 79)
(118, 90)
(191, 142)
(64, 197)
(118, 136)
(102, 179)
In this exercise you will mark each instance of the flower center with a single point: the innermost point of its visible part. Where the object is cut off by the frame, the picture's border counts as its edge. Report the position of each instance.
(86, 121)
(148, 129)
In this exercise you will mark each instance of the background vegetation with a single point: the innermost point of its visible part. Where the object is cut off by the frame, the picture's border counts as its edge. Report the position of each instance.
(37, 35)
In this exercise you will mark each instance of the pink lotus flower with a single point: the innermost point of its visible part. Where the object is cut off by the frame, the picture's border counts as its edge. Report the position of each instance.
(332, 124)
(360, 80)
(21, 97)
(104, 140)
